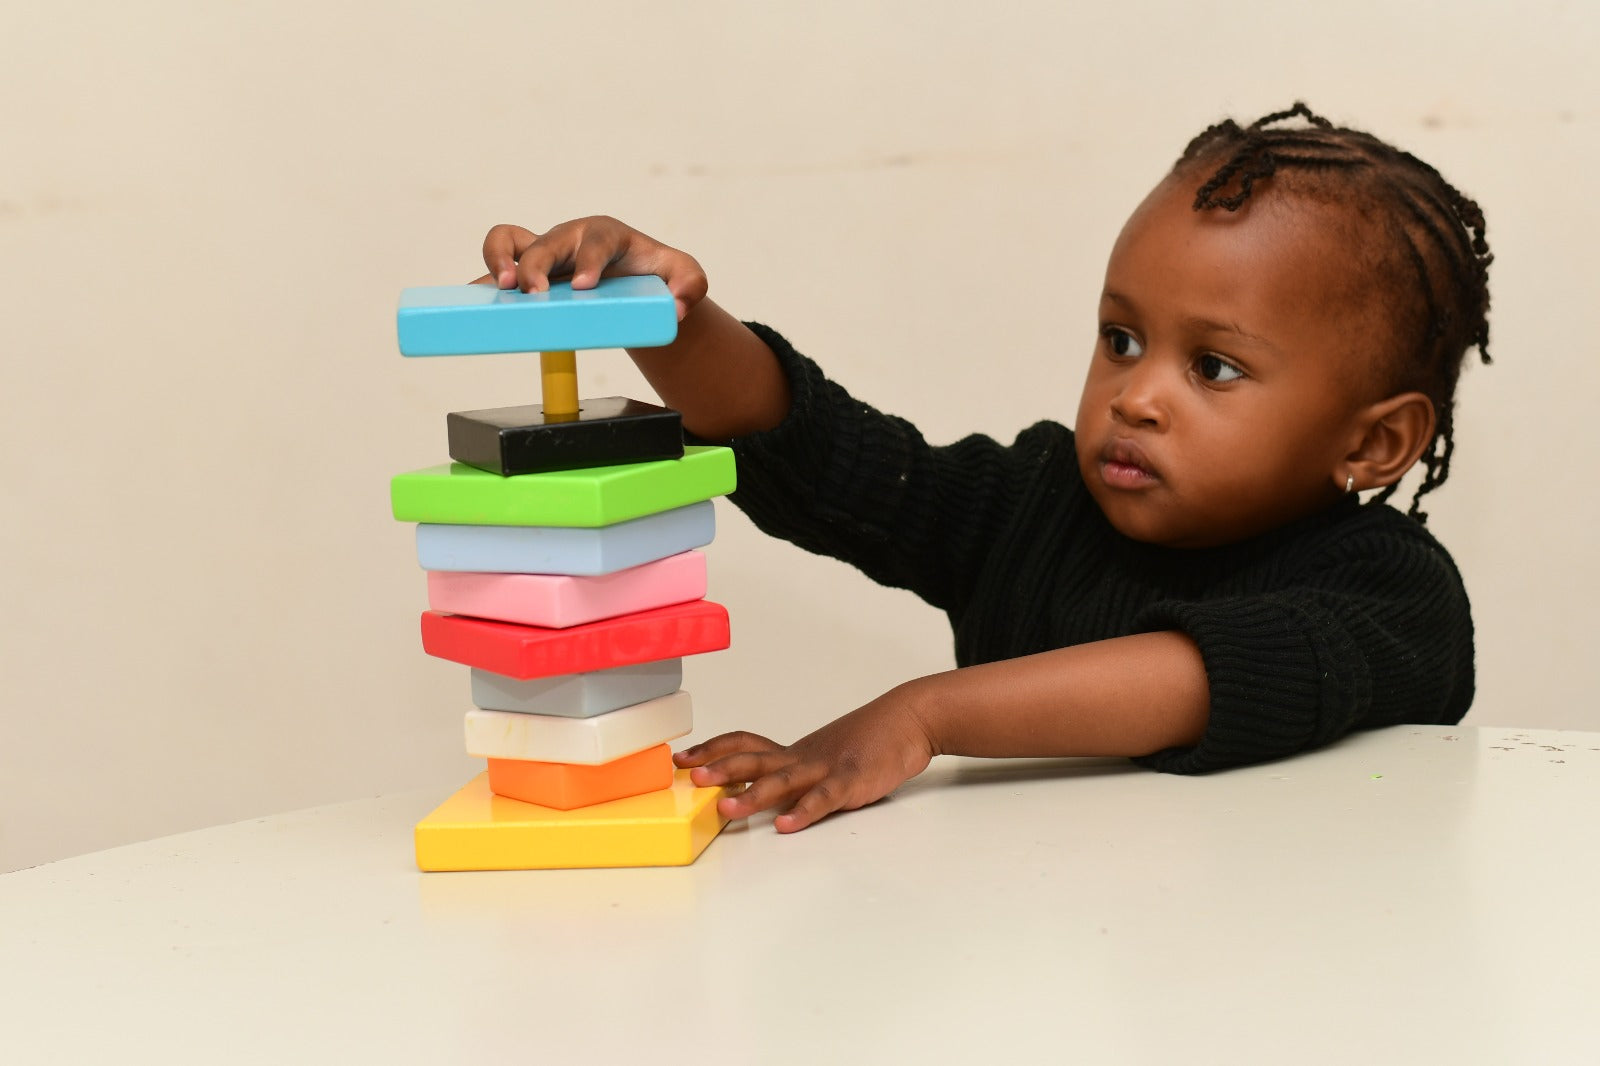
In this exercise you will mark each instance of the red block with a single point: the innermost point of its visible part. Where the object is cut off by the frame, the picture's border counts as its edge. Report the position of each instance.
(526, 652)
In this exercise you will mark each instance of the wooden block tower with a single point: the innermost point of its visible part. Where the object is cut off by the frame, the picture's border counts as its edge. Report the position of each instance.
(560, 553)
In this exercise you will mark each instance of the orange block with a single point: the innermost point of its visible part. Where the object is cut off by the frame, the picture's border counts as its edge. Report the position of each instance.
(565, 786)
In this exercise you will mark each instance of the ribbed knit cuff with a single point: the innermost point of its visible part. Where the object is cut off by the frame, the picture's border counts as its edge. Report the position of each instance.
(1282, 680)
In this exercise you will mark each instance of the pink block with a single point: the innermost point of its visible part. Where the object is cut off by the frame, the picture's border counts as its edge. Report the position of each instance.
(557, 601)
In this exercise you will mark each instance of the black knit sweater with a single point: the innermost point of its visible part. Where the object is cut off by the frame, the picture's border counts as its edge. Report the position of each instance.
(1349, 619)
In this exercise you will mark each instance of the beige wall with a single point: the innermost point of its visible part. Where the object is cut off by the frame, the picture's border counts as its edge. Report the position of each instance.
(207, 210)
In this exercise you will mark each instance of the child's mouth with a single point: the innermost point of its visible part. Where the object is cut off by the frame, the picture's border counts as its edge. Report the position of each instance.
(1123, 465)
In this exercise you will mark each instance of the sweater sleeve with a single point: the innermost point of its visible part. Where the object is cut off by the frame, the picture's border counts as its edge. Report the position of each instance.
(842, 479)
(1379, 635)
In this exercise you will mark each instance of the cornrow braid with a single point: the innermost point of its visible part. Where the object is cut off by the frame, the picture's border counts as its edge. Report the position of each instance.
(1438, 245)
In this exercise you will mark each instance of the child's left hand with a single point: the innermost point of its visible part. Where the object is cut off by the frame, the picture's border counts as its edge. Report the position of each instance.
(846, 764)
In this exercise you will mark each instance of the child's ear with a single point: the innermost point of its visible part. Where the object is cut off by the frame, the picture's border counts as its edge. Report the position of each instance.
(1394, 433)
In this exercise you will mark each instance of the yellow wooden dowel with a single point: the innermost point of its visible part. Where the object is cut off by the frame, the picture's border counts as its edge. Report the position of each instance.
(558, 373)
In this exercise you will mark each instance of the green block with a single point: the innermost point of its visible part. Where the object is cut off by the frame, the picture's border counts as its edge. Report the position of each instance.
(457, 494)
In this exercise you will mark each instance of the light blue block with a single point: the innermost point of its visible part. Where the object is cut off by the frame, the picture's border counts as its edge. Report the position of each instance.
(481, 319)
(578, 695)
(566, 549)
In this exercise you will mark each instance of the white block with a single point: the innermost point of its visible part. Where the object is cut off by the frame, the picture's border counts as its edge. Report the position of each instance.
(590, 741)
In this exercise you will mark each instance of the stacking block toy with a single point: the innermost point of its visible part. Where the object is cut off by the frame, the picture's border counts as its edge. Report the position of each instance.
(568, 785)
(566, 550)
(588, 741)
(524, 440)
(578, 695)
(525, 652)
(559, 551)
(481, 319)
(455, 493)
(477, 830)
(562, 600)
(562, 433)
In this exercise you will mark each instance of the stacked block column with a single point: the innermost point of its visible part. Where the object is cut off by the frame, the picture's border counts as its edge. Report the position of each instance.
(573, 591)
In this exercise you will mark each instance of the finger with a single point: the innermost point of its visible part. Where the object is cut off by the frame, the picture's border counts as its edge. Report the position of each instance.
(560, 251)
(742, 766)
(827, 796)
(502, 246)
(778, 790)
(724, 744)
(684, 277)
(590, 260)
(688, 290)
(543, 259)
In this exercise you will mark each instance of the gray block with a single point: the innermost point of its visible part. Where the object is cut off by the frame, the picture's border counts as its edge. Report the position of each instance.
(578, 695)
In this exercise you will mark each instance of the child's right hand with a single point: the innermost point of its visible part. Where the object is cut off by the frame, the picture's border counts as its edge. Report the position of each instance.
(584, 251)
(717, 373)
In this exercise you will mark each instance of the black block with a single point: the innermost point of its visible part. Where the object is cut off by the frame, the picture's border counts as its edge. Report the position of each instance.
(608, 431)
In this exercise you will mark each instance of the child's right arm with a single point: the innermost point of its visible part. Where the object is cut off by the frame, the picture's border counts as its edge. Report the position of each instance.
(816, 467)
(717, 374)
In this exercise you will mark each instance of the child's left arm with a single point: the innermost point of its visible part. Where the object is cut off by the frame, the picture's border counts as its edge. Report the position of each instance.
(1126, 696)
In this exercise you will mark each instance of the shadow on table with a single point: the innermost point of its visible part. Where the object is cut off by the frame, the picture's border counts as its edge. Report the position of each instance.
(976, 773)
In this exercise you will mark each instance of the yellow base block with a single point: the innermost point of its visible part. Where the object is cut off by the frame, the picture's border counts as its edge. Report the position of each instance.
(477, 830)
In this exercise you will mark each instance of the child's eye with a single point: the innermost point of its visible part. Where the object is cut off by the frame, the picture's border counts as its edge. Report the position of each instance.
(1122, 342)
(1216, 368)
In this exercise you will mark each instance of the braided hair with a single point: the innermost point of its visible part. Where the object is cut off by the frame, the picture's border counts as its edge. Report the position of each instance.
(1434, 260)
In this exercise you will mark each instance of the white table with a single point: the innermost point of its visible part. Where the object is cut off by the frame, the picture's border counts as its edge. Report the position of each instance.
(1419, 895)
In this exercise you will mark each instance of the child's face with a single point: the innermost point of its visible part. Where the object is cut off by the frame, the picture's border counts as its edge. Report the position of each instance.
(1222, 398)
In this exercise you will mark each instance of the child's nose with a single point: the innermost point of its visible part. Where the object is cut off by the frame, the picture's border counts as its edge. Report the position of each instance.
(1142, 398)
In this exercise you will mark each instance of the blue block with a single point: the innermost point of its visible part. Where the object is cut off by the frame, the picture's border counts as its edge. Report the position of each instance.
(481, 319)
(565, 549)
(578, 695)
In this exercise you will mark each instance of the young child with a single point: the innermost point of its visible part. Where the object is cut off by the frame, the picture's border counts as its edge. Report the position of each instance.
(1188, 576)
